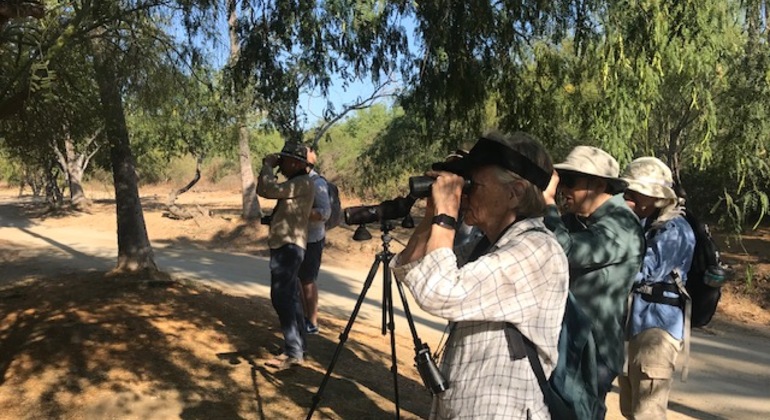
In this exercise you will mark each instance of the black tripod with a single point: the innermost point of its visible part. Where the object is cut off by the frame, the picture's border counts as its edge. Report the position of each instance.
(384, 257)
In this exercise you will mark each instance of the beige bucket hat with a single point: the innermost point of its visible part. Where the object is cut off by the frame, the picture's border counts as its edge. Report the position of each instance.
(651, 177)
(592, 161)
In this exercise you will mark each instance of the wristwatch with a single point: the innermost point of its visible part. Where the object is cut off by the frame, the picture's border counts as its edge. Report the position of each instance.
(446, 221)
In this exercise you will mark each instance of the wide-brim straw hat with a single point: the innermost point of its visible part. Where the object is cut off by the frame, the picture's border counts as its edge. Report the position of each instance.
(594, 162)
(651, 177)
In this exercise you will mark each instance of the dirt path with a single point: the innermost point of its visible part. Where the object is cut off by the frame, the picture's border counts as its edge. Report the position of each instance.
(729, 366)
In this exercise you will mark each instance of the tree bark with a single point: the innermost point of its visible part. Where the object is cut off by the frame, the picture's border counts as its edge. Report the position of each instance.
(251, 209)
(134, 249)
(74, 164)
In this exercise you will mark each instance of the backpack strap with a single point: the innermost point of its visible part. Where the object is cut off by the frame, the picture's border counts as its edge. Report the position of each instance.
(655, 293)
(522, 347)
(677, 275)
(555, 403)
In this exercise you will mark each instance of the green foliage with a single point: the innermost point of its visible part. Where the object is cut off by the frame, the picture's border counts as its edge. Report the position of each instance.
(291, 47)
(217, 168)
(9, 170)
(343, 145)
(686, 81)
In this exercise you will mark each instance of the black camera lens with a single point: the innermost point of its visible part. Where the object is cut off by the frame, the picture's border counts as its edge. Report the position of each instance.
(387, 210)
(361, 215)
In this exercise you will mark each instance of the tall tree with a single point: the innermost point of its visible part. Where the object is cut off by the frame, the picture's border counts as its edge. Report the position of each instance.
(290, 47)
(134, 249)
(250, 203)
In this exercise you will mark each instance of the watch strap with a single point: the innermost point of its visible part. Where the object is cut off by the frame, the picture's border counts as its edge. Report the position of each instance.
(445, 220)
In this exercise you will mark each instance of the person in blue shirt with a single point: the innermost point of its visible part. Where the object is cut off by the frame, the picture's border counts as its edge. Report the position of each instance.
(656, 326)
(316, 240)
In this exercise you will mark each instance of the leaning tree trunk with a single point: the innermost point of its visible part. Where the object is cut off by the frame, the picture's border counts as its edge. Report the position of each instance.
(175, 212)
(134, 249)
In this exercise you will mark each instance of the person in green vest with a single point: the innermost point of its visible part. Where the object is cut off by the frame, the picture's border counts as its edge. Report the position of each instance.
(604, 244)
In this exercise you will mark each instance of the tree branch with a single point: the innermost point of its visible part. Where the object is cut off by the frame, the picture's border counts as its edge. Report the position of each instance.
(359, 104)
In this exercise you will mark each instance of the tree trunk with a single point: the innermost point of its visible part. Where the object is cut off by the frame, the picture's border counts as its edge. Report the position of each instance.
(52, 192)
(674, 163)
(74, 164)
(251, 209)
(179, 213)
(134, 250)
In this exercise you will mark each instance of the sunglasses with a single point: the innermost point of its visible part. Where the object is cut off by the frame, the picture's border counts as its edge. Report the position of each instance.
(568, 180)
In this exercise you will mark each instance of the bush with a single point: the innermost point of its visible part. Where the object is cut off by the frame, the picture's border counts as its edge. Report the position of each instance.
(218, 168)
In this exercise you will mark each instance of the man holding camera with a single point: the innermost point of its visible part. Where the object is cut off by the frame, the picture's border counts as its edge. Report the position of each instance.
(515, 274)
(287, 241)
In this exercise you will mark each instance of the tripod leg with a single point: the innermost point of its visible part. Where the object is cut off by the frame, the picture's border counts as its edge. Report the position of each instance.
(392, 326)
(409, 319)
(344, 336)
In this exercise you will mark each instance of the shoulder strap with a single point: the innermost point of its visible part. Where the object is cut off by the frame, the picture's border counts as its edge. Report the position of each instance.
(557, 406)
(677, 275)
(522, 347)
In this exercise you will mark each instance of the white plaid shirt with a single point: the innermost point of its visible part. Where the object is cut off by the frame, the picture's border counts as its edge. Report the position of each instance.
(522, 279)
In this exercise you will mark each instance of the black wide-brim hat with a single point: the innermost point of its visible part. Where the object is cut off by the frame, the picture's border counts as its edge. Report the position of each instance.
(295, 151)
(491, 152)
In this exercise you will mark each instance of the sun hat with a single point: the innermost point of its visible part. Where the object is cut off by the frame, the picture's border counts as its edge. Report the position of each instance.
(595, 162)
(651, 177)
(295, 150)
(500, 152)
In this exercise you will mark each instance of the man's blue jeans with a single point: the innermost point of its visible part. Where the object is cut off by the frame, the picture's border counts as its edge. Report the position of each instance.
(284, 294)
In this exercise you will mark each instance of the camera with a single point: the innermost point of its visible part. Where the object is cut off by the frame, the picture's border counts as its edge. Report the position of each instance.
(387, 210)
(429, 372)
(420, 186)
(265, 220)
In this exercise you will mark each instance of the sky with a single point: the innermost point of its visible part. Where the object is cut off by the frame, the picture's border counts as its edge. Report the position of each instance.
(312, 103)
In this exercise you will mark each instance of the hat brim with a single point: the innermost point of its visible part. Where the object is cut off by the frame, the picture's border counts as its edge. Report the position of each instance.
(651, 190)
(489, 152)
(289, 155)
(460, 166)
(616, 184)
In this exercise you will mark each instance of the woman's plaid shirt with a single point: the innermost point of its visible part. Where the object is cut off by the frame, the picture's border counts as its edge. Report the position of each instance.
(522, 279)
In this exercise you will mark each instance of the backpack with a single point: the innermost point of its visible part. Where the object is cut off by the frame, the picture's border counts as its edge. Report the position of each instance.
(335, 219)
(707, 273)
(572, 392)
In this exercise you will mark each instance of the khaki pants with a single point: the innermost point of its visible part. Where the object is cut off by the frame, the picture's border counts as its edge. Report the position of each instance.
(651, 363)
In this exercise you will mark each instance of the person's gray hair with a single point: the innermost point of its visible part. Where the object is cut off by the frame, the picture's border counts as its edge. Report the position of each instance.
(669, 209)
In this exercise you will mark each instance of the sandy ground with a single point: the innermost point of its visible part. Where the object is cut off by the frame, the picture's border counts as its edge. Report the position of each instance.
(730, 367)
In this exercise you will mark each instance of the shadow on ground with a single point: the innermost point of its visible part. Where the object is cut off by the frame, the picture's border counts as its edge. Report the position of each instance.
(84, 345)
